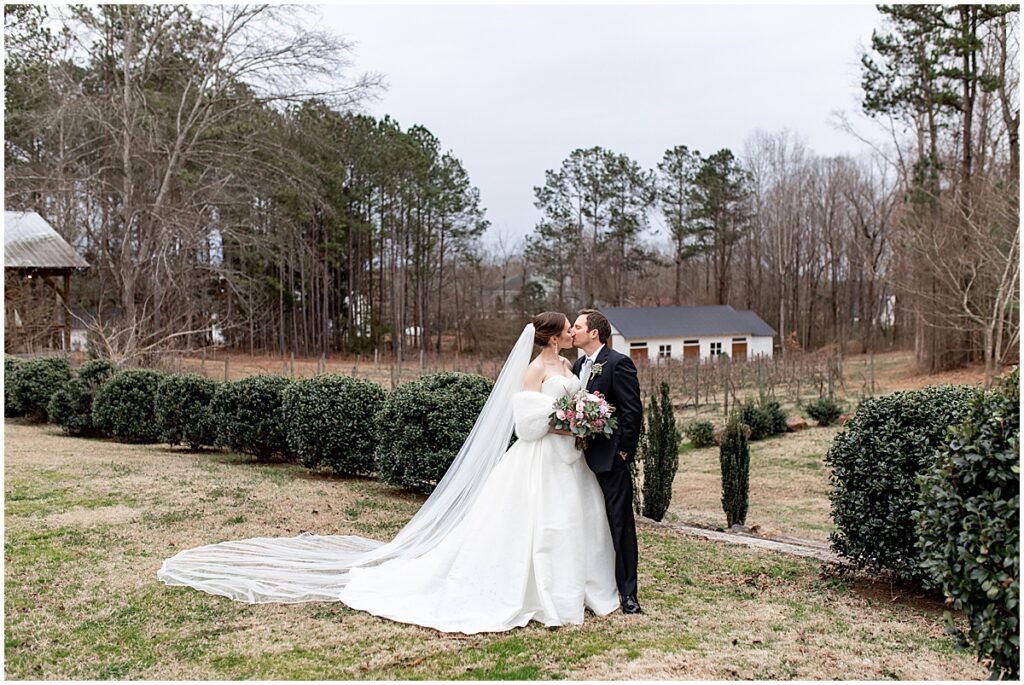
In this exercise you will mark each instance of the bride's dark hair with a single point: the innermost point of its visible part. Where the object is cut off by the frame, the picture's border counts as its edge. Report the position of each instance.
(547, 325)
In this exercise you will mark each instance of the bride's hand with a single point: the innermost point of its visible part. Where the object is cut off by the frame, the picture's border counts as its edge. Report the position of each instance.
(559, 431)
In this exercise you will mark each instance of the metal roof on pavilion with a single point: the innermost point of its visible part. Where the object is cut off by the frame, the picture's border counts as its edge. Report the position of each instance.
(31, 243)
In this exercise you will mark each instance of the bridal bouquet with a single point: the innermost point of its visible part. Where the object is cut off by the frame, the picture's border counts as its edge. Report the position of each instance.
(585, 415)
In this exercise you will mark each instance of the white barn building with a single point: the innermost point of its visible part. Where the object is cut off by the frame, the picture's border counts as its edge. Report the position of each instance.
(655, 333)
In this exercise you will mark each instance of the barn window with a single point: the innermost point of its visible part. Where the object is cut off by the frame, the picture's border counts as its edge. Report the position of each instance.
(664, 351)
(638, 344)
(695, 341)
(739, 339)
(716, 349)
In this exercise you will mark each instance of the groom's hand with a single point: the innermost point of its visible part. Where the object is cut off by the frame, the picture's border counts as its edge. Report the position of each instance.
(624, 456)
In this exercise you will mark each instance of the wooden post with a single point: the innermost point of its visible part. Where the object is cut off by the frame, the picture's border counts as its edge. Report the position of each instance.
(226, 365)
(67, 311)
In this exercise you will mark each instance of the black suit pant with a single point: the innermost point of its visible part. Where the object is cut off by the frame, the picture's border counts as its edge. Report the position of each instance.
(618, 500)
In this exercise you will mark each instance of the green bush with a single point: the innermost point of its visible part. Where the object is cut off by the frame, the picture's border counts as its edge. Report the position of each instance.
(123, 406)
(96, 371)
(968, 525)
(182, 410)
(765, 417)
(422, 426)
(734, 461)
(700, 433)
(330, 422)
(10, 366)
(71, 406)
(660, 455)
(34, 381)
(824, 410)
(875, 460)
(249, 418)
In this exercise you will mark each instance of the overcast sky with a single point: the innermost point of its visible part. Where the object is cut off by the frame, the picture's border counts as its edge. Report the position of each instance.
(512, 90)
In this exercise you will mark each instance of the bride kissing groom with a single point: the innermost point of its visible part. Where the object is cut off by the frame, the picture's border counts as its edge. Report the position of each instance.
(539, 531)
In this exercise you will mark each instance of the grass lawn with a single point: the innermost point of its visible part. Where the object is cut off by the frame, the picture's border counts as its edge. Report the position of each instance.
(789, 485)
(89, 522)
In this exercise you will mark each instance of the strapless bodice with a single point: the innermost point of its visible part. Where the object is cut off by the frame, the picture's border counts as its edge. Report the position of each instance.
(558, 386)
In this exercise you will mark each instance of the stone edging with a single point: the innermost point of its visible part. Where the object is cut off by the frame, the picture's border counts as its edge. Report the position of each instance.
(793, 546)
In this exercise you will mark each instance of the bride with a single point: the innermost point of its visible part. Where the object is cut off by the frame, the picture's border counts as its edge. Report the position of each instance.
(508, 536)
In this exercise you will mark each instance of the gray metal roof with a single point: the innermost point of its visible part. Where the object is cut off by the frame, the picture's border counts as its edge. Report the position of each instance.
(31, 243)
(680, 322)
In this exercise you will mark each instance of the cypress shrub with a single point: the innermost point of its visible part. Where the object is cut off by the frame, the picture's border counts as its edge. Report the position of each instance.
(11, 364)
(700, 433)
(33, 383)
(968, 525)
(330, 422)
(661, 455)
(182, 410)
(123, 406)
(824, 410)
(734, 459)
(875, 461)
(249, 417)
(422, 425)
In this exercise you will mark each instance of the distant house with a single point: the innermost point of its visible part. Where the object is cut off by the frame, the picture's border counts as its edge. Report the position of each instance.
(653, 333)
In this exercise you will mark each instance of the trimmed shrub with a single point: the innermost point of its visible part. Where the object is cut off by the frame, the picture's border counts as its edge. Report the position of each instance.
(875, 460)
(249, 418)
(123, 406)
(661, 455)
(34, 381)
(968, 525)
(764, 417)
(422, 425)
(700, 433)
(330, 422)
(96, 371)
(734, 460)
(824, 410)
(182, 410)
(11, 364)
(71, 406)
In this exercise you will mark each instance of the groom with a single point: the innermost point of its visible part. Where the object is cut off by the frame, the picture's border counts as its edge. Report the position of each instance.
(613, 374)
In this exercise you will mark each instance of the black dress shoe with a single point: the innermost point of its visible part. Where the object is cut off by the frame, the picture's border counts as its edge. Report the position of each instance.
(630, 605)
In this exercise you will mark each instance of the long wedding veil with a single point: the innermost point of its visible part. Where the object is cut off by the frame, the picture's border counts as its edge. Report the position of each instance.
(316, 567)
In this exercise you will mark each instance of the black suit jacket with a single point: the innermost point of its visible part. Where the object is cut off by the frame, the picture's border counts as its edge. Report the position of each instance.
(619, 384)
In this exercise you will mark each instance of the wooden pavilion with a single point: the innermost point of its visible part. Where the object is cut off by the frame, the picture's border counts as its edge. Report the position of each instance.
(38, 264)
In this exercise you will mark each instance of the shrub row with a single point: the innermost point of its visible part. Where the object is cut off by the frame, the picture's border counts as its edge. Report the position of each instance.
(408, 437)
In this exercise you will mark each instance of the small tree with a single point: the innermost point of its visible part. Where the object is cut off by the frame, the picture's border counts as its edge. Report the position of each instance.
(734, 458)
(661, 455)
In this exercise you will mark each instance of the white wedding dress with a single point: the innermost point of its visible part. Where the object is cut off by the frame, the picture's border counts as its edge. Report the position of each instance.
(506, 537)
(535, 546)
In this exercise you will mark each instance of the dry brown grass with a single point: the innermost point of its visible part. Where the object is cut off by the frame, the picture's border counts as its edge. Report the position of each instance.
(788, 486)
(89, 522)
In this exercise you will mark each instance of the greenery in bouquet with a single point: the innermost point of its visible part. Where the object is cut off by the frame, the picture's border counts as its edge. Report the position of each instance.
(585, 415)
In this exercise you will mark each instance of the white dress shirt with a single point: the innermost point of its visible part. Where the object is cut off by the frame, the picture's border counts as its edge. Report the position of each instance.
(588, 365)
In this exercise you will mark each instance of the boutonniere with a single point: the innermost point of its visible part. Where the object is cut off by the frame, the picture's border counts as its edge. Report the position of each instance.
(596, 370)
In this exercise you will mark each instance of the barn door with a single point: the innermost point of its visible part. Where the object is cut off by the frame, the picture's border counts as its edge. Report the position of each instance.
(739, 351)
(639, 354)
